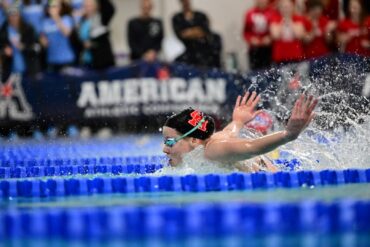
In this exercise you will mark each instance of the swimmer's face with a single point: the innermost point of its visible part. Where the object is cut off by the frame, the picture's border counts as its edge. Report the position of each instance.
(176, 152)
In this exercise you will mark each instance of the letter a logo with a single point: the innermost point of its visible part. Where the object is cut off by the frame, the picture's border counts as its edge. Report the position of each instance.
(13, 103)
(196, 118)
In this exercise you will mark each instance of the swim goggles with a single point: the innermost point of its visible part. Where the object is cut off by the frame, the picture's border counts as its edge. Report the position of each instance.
(170, 142)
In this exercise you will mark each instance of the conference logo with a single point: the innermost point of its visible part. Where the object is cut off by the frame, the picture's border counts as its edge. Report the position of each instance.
(150, 96)
(13, 102)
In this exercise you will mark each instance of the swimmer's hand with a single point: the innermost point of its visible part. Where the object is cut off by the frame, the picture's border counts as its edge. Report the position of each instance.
(302, 114)
(245, 108)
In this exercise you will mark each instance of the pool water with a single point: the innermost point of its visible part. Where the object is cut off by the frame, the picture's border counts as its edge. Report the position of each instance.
(110, 193)
(318, 193)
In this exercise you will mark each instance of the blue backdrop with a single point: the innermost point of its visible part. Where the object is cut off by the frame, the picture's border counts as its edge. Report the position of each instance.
(153, 90)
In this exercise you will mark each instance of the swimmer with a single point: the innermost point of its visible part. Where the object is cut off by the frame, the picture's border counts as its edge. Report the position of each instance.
(189, 129)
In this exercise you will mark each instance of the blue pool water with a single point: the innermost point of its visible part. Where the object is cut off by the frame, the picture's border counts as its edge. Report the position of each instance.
(70, 192)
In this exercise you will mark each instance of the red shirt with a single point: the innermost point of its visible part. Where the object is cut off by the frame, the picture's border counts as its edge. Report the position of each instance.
(354, 45)
(257, 24)
(318, 46)
(367, 33)
(287, 48)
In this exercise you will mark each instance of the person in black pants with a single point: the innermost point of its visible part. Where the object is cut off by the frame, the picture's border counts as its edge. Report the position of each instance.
(203, 47)
(94, 34)
(145, 34)
(19, 49)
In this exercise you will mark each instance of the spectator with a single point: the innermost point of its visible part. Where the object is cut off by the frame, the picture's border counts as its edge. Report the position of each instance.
(33, 13)
(365, 5)
(351, 31)
(4, 4)
(319, 30)
(18, 43)
(55, 32)
(94, 34)
(145, 34)
(287, 32)
(192, 28)
(366, 40)
(257, 34)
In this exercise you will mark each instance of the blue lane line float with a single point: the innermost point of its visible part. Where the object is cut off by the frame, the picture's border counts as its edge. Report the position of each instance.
(199, 219)
(189, 183)
(47, 171)
(68, 161)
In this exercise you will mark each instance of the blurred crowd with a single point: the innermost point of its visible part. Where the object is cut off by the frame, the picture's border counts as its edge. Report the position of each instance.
(39, 35)
(50, 35)
(288, 31)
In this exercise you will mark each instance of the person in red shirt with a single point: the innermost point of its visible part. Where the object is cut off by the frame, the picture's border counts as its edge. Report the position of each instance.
(319, 31)
(351, 31)
(287, 32)
(366, 40)
(257, 35)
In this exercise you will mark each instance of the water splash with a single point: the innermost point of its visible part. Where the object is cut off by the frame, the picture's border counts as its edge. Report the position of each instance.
(340, 148)
(339, 136)
(194, 162)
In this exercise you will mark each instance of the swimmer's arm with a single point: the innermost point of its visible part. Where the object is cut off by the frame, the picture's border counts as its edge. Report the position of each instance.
(234, 127)
(236, 149)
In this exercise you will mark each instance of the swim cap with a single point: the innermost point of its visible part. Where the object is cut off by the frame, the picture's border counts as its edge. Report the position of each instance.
(189, 118)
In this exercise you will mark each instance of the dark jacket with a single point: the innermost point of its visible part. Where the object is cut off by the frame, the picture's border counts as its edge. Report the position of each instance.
(30, 51)
(144, 35)
(101, 50)
(205, 52)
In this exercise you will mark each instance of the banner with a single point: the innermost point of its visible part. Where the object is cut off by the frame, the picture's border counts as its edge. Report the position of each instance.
(148, 91)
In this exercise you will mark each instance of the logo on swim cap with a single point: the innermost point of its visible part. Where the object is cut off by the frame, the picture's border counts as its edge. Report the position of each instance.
(196, 118)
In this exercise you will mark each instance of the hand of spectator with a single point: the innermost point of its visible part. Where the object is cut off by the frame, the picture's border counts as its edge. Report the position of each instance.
(354, 33)
(254, 41)
(43, 40)
(302, 114)
(192, 33)
(18, 44)
(299, 31)
(365, 44)
(87, 44)
(8, 51)
(266, 41)
(332, 25)
(150, 56)
(198, 32)
(245, 108)
(317, 31)
(287, 22)
(78, 13)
